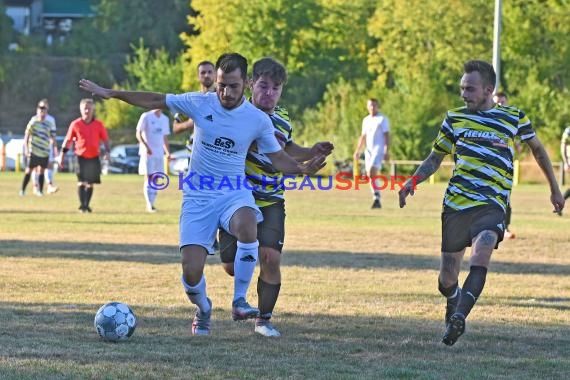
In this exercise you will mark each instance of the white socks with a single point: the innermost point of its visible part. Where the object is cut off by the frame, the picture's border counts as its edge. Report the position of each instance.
(244, 266)
(197, 294)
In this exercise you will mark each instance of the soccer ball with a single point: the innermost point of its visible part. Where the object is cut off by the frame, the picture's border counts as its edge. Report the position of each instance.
(115, 321)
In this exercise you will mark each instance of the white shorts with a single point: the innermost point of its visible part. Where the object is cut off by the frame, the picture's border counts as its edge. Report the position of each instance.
(373, 160)
(201, 218)
(151, 164)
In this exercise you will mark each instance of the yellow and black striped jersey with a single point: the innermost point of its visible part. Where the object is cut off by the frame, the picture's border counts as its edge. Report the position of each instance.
(482, 143)
(265, 179)
(40, 133)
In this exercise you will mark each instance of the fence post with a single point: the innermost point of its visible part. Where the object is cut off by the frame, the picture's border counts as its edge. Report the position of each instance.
(17, 165)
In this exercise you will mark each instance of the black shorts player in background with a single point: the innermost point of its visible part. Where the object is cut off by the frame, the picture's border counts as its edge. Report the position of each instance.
(481, 136)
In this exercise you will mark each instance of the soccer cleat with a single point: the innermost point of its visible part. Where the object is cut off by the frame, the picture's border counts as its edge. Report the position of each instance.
(52, 189)
(376, 204)
(452, 305)
(241, 310)
(22, 193)
(201, 322)
(38, 193)
(264, 327)
(454, 330)
(150, 209)
(88, 209)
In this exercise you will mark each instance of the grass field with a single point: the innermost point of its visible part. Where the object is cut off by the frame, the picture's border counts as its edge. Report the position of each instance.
(359, 298)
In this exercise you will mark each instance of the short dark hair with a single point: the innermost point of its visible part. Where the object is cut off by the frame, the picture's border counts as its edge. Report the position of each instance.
(270, 67)
(228, 62)
(204, 63)
(484, 68)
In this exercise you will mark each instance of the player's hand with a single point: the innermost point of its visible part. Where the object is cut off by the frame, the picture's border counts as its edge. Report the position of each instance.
(313, 165)
(322, 148)
(408, 189)
(557, 200)
(94, 89)
(59, 160)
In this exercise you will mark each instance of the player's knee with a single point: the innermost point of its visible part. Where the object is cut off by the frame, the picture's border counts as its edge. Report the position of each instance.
(246, 232)
(229, 268)
(193, 261)
(447, 278)
(270, 259)
(480, 258)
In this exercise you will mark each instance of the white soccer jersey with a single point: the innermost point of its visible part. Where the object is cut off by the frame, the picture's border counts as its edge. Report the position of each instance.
(374, 128)
(217, 165)
(153, 128)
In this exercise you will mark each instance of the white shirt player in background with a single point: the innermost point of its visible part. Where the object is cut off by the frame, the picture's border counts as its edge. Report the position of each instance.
(51, 168)
(153, 129)
(376, 138)
(225, 127)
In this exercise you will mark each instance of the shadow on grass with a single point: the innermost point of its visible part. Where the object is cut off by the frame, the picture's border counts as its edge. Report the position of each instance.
(168, 254)
(36, 336)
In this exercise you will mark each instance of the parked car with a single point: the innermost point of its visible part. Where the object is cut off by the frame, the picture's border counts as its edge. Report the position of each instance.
(124, 159)
(14, 149)
(178, 161)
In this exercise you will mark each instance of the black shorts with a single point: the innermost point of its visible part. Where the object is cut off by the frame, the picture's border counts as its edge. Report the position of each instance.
(460, 227)
(34, 161)
(88, 170)
(270, 232)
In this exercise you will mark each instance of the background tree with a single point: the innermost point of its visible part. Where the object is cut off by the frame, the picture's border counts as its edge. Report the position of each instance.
(310, 37)
(117, 24)
(5, 38)
(148, 71)
(535, 56)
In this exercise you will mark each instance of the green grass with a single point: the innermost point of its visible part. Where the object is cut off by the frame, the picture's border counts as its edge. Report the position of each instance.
(359, 297)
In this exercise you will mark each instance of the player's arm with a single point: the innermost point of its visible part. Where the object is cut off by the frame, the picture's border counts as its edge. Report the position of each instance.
(301, 153)
(149, 100)
(423, 172)
(27, 136)
(181, 125)
(288, 165)
(564, 151)
(386, 146)
(166, 147)
(64, 148)
(141, 139)
(541, 157)
(359, 146)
